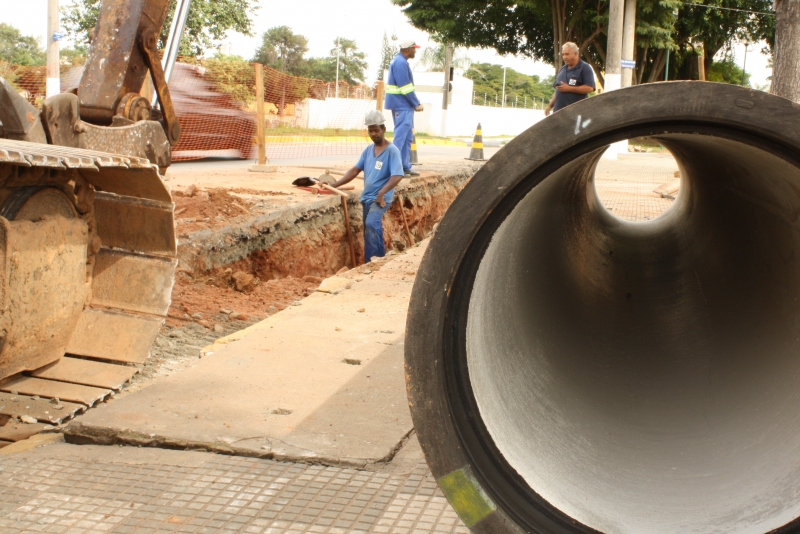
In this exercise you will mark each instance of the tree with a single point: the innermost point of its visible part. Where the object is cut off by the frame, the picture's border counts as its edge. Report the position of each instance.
(727, 71)
(786, 58)
(352, 62)
(19, 49)
(520, 88)
(433, 58)
(388, 51)
(73, 56)
(716, 30)
(283, 50)
(538, 28)
(208, 21)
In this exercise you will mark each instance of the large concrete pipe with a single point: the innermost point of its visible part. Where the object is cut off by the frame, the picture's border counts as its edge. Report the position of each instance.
(572, 372)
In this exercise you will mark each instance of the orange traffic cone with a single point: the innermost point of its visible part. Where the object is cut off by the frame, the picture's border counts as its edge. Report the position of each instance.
(414, 158)
(476, 154)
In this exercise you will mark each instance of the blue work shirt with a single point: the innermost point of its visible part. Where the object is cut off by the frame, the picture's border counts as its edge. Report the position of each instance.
(580, 74)
(400, 93)
(377, 171)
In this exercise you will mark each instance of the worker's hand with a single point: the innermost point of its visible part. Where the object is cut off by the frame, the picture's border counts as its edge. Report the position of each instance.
(379, 200)
(419, 108)
(547, 111)
(563, 88)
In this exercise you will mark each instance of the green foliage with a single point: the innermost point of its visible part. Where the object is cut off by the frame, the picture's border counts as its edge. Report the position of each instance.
(520, 88)
(283, 50)
(320, 68)
(433, 58)
(20, 49)
(352, 62)
(208, 21)
(73, 56)
(726, 71)
(233, 75)
(716, 29)
(537, 28)
(388, 51)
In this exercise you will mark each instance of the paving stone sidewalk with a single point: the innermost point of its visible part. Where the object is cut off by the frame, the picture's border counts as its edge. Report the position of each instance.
(51, 489)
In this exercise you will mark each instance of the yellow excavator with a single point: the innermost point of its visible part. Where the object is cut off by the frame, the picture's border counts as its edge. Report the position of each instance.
(87, 234)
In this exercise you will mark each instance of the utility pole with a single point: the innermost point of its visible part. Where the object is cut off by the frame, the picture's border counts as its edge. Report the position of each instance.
(504, 86)
(744, 64)
(614, 49)
(614, 63)
(629, 43)
(338, 51)
(448, 60)
(53, 86)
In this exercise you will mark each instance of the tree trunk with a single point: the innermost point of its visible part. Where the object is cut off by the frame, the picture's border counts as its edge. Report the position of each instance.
(588, 59)
(641, 64)
(786, 55)
(658, 66)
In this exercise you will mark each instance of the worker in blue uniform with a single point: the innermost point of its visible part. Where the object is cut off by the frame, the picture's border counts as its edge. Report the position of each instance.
(402, 101)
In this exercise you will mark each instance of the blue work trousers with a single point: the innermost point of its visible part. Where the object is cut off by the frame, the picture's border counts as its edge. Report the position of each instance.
(404, 134)
(373, 230)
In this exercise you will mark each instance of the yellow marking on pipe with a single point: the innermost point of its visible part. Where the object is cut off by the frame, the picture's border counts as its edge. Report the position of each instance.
(466, 496)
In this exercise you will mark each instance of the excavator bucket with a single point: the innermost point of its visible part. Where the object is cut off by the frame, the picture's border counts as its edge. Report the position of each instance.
(87, 257)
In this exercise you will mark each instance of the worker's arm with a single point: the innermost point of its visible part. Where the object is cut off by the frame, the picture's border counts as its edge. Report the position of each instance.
(549, 108)
(348, 177)
(391, 184)
(579, 89)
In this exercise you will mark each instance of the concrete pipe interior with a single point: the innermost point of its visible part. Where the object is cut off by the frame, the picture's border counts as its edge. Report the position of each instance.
(645, 377)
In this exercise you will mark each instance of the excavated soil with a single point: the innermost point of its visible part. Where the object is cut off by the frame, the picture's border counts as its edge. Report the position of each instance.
(209, 296)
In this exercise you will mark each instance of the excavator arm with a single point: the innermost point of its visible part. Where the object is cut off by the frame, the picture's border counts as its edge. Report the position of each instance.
(124, 48)
(87, 237)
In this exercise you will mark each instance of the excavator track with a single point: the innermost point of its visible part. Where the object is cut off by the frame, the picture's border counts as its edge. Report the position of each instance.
(87, 260)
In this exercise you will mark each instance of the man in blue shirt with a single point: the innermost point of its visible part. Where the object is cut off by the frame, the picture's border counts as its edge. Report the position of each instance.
(574, 81)
(383, 170)
(402, 101)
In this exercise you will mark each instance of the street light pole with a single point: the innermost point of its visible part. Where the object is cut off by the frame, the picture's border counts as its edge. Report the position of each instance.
(338, 52)
(744, 64)
(53, 83)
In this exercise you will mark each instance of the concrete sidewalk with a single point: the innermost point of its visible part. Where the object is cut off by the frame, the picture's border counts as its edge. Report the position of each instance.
(320, 382)
(66, 489)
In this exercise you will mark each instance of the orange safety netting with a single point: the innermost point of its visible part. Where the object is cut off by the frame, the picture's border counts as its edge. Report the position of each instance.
(215, 101)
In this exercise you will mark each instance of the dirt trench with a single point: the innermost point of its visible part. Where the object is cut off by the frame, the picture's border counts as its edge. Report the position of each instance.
(310, 240)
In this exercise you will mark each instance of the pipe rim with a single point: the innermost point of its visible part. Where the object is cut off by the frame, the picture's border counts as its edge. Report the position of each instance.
(437, 319)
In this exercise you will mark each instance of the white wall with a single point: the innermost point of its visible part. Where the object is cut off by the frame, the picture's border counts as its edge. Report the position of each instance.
(462, 120)
(344, 113)
(461, 117)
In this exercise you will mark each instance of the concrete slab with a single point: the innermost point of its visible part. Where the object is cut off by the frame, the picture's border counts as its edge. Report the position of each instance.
(320, 382)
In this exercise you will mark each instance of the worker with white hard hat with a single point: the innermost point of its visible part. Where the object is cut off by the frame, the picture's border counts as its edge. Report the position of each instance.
(401, 99)
(383, 170)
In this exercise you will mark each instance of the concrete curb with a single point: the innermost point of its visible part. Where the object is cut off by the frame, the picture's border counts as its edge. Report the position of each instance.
(79, 434)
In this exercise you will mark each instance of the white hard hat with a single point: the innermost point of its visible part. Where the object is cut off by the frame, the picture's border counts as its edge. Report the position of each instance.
(374, 118)
(408, 43)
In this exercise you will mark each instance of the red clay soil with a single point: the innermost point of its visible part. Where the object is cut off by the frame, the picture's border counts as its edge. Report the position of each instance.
(211, 295)
(197, 209)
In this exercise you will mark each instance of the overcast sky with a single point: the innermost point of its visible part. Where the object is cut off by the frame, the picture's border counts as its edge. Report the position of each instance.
(322, 21)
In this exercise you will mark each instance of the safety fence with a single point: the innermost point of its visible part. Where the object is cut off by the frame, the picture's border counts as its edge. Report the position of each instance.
(215, 101)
